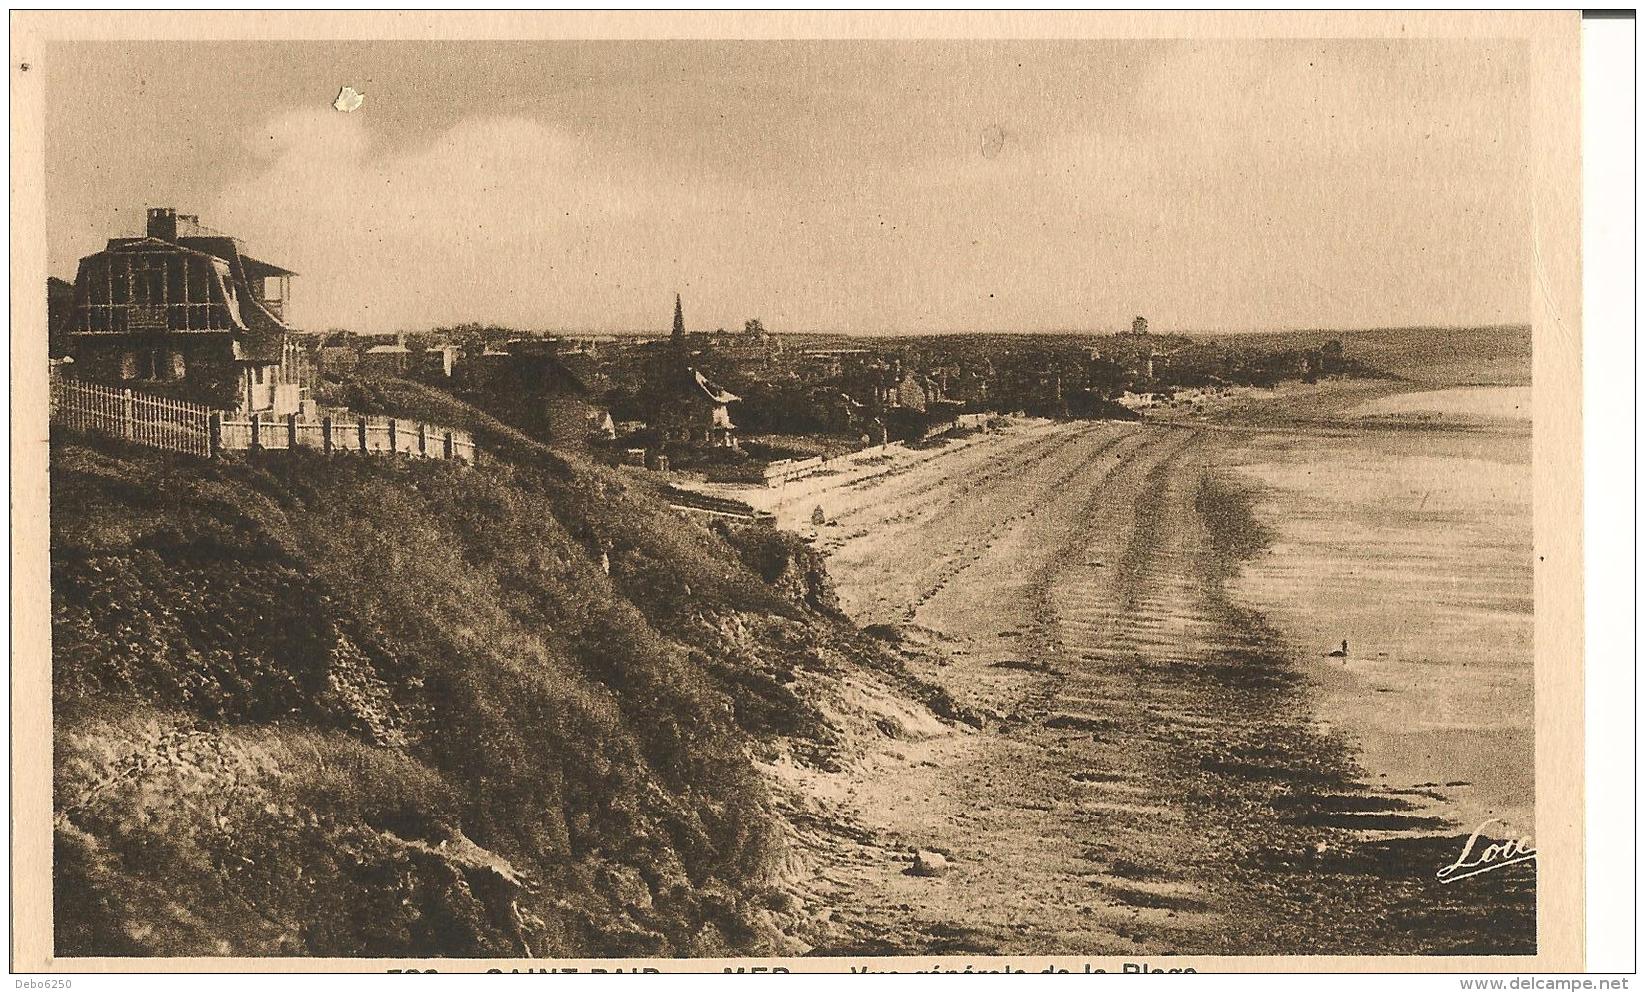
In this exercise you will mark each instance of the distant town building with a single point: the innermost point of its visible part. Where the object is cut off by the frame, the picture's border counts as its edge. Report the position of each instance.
(753, 345)
(601, 427)
(690, 408)
(184, 311)
(479, 365)
(385, 361)
(439, 361)
(549, 386)
(969, 386)
(711, 409)
(562, 391)
(830, 363)
(916, 392)
(834, 411)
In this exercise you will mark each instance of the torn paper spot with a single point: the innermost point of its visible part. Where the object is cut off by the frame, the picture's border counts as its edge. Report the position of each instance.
(349, 99)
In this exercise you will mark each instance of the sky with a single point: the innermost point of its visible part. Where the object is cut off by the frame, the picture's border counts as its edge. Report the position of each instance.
(863, 187)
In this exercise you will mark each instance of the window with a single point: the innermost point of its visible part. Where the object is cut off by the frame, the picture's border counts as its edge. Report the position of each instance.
(152, 363)
(97, 281)
(199, 281)
(148, 285)
(176, 277)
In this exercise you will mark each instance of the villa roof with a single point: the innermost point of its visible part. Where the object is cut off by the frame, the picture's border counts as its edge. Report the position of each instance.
(714, 393)
(257, 268)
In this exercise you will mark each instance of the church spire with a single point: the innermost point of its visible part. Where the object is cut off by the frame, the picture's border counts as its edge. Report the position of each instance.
(679, 320)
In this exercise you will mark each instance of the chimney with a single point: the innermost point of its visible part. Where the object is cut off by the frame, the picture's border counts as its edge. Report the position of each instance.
(162, 223)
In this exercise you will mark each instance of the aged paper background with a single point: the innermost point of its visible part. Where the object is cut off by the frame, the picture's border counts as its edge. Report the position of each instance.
(1553, 38)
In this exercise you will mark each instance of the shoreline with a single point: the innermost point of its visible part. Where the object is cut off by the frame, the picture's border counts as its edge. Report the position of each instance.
(1435, 602)
(1152, 777)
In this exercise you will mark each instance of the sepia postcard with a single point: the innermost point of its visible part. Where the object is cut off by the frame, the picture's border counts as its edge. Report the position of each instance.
(796, 492)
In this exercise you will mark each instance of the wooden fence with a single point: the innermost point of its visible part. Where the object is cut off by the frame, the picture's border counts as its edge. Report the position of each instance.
(788, 471)
(370, 435)
(158, 422)
(195, 429)
(785, 471)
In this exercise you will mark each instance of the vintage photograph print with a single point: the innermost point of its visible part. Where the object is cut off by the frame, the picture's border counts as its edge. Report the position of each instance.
(836, 491)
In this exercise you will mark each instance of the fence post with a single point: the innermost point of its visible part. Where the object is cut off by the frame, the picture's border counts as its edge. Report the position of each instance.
(362, 436)
(128, 415)
(256, 430)
(214, 434)
(393, 436)
(291, 432)
(325, 424)
(449, 445)
(422, 439)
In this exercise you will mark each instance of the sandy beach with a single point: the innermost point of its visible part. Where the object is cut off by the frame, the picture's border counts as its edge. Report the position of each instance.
(1167, 764)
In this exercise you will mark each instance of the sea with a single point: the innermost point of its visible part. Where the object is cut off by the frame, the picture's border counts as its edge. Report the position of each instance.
(1407, 535)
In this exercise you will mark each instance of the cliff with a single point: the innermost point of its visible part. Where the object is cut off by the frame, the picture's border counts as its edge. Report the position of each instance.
(361, 706)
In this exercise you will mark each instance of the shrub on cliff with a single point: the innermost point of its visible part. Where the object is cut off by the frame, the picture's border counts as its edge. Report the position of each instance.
(419, 707)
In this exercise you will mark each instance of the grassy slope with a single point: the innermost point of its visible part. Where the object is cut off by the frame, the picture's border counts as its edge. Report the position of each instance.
(359, 706)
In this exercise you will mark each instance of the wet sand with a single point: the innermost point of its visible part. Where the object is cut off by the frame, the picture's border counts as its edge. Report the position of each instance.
(1155, 773)
(1416, 549)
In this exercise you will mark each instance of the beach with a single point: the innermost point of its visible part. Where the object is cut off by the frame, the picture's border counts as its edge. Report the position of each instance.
(1170, 759)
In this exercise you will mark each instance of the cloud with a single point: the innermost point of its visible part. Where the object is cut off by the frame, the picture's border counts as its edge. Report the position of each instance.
(868, 187)
(492, 219)
(1216, 185)
(1310, 183)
